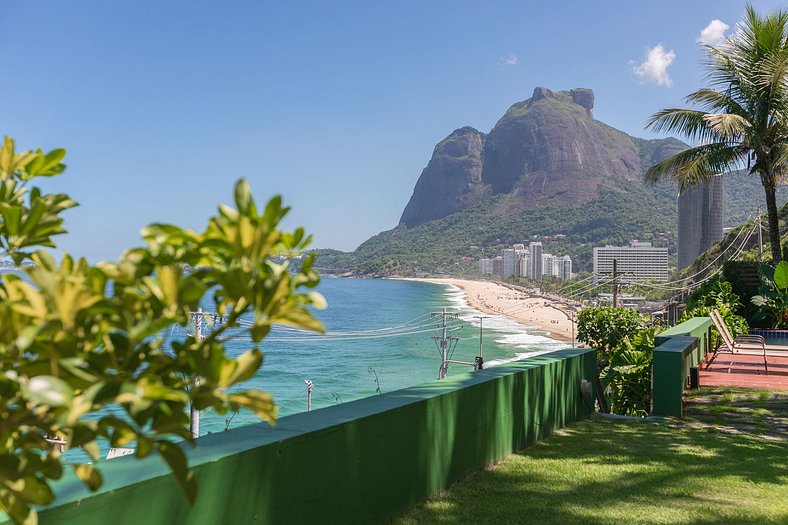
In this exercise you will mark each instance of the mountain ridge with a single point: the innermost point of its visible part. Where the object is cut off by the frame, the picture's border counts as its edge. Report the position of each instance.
(547, 168)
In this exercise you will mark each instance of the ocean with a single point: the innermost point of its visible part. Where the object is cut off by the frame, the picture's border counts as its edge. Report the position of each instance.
(380, 339)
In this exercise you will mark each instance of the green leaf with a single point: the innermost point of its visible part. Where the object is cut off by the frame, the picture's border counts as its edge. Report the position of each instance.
(176, 460)
(261, 403)
(17, 509)
(50, 391)
(244, 367)
(781, 275)
(34, 490)
(89, 475)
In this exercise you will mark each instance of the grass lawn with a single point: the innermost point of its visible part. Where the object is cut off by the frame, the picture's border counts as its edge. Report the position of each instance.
(730, 468)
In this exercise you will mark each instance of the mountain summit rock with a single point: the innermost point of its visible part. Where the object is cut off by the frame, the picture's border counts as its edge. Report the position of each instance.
(546, 150)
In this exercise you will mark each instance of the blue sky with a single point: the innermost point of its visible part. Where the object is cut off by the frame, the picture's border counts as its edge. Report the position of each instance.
(162, 106)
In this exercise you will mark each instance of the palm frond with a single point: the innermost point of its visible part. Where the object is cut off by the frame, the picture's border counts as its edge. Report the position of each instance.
(696, 165)
(732, 127)
(715, 101)
(688, 122)
(780, 161)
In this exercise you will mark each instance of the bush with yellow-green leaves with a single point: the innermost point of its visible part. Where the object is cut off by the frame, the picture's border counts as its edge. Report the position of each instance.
(77, 339)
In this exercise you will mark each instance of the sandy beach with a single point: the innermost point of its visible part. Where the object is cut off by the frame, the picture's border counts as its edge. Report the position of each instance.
(497, 299)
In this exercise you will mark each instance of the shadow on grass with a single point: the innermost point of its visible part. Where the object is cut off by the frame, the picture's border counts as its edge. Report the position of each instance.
(602, 471)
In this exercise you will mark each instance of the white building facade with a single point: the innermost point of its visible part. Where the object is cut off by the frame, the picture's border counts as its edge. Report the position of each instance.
(639, 261)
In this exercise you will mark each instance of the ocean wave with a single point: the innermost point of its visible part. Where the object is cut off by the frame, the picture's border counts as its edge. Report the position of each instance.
(529, 340)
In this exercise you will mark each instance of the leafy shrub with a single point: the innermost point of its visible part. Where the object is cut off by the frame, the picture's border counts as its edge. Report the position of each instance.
(717, 294)
(603, 328)
(77, 339)
(627, 378)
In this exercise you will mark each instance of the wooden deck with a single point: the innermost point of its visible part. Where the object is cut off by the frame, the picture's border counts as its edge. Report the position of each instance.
(745, 371)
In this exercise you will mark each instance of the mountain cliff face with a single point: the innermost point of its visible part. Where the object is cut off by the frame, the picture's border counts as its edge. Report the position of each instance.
(452, 181)
(546, 150)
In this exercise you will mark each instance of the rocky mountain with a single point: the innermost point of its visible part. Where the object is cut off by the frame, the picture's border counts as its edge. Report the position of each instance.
(546, 150)
(548, 171)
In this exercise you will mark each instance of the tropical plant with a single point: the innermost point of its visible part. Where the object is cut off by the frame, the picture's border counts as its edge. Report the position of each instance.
(717, 294)
(605, 327)
(627, 378)
(82, 358)
(742, 120)
(772, 298)
(712, 292)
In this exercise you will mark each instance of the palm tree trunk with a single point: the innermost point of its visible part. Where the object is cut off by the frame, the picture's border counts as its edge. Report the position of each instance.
(774, 223)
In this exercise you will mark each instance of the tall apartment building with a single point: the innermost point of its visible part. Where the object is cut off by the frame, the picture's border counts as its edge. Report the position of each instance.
(535, 261)
(565, 268)
(700, 219)
(643, 261)
(548, 265)
(498, 265)
(509, 264)
(522, 264)
(485, 266)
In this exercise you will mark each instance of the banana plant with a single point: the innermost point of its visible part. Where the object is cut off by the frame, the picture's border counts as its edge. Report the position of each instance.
(772, 298)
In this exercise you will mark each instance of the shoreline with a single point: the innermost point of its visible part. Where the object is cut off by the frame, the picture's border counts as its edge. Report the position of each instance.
(521, 307)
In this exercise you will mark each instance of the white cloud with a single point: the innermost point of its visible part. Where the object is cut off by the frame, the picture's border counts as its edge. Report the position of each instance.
(510, 60)
(714, 33)
(654, 67)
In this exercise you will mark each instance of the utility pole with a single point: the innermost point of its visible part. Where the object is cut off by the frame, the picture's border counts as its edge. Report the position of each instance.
(478, 363)
(616, 284)
(194, 414)
(444, 342)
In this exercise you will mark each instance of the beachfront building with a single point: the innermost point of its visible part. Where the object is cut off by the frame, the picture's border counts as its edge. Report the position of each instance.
(535, 261)
(639, 262)
(509, 263)
(528, 262)
(565, 268)
(498, 265)
(522, 264)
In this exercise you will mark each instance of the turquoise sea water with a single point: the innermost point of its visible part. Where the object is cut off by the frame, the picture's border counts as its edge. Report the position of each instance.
(396, 347)
(339, 366)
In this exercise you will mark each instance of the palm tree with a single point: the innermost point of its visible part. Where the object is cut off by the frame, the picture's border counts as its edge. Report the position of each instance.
(743, 120)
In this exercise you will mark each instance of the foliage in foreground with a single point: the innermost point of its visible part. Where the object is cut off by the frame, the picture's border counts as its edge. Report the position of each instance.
(77, 338)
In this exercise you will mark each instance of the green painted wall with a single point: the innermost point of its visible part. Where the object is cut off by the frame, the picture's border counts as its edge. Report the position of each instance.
(359, 462)
(677, 350)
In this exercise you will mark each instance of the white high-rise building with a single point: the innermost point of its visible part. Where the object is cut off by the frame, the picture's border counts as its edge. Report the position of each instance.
(485, 266)
(549, 265)
(535, 261)
(640, 260)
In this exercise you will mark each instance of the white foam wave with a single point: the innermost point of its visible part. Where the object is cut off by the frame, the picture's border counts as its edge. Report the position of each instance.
(530, 340)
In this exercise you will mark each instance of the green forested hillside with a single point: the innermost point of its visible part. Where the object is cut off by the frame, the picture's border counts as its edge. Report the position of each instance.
(455, 243)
